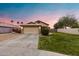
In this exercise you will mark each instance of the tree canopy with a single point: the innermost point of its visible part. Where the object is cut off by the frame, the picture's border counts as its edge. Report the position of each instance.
(67, 21)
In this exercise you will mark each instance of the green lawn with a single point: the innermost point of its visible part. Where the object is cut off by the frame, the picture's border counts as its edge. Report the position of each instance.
(60, 42)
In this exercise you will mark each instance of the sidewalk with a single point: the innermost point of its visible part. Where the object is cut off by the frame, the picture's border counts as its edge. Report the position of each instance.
(48, 53)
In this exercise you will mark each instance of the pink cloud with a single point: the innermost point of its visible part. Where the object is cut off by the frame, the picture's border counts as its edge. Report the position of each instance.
(7, 20)
(51, 19)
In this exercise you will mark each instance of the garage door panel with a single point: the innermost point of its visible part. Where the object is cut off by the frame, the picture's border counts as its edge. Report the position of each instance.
(5, 30)
(31, 30)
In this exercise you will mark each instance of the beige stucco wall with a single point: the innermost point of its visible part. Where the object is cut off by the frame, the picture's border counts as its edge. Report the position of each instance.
(31, 30)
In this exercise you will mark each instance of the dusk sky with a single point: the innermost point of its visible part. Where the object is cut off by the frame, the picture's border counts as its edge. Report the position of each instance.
(49, 13)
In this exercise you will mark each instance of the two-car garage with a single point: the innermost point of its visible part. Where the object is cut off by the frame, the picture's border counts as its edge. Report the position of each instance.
(31, 29)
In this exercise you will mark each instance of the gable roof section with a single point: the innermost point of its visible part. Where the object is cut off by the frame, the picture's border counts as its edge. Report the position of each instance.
(31, 23)
(38, 21)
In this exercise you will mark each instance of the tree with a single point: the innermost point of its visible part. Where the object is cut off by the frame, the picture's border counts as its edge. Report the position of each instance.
(17, 22)
(12, 21)
(21, 22)
(67, 21)
(56, 26)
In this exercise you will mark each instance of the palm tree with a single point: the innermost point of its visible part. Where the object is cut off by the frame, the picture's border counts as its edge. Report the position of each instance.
(12, 21)
(21, 22)
(17, 22)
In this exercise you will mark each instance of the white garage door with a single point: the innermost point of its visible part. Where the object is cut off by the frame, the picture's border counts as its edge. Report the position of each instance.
(5, 30)
(34, 30)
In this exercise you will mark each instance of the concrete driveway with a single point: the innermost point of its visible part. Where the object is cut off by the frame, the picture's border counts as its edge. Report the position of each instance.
(7, 36)
(24, 45)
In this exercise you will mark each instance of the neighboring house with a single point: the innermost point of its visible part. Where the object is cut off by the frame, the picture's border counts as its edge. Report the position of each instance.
(6, 28)
(67, 27)
(40, 23)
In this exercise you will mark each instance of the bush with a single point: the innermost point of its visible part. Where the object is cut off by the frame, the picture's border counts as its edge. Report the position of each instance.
(17, 30)
(45, 31)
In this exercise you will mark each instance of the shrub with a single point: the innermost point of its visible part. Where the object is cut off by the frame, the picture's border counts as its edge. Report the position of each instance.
(45, 31)
(17, 30)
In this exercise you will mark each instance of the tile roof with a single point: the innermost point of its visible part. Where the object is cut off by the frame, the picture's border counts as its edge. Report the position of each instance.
(41, 22)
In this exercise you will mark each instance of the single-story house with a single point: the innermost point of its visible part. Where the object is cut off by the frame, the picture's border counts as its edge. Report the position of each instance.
(6, 28)
(33, 27)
